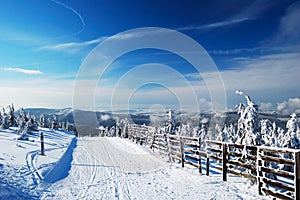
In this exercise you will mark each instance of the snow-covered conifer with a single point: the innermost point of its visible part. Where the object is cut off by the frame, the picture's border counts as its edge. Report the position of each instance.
(34, 123)
(26, 131)
(42, 121)
(273, 135)
(222, 134)
(248, 124)
(54, 123)
(202, 135)
(232, 136)
(11, 115)
(5, 122)
(21, 120)
(291, 140)
(266, 129)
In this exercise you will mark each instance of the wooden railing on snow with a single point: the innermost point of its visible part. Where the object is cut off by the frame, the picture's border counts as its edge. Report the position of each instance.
(257, 163)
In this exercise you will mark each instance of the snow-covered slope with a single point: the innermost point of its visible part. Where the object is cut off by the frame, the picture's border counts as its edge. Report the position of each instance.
(115, 168)
(102, 168)
(22, 168)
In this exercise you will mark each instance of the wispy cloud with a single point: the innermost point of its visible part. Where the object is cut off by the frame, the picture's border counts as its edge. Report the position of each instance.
(289, 31)
(214, 25)
(70, 45)
(121, 36)
(24, 71)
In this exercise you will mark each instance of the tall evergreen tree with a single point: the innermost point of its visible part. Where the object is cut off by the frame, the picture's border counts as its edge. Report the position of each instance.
(11, 115)
(5, 122)
(248, 124)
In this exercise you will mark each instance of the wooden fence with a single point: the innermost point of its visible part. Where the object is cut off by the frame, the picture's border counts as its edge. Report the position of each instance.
(275, 170)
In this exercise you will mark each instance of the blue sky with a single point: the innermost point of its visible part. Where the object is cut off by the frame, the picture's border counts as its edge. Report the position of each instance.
(255, 46)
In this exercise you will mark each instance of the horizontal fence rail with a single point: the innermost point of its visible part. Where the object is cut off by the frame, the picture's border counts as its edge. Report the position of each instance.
(275, 170)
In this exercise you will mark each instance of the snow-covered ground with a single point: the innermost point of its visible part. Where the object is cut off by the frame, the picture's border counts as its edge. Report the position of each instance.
(115, 168)
(103, 168)
(22, 168)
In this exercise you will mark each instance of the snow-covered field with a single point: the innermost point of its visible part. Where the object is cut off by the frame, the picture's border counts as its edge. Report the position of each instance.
(103, 168)
(22, 168)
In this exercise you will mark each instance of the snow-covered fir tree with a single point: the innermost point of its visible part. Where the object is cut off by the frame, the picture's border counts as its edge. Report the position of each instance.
(54, 123)
(11, 116)
(291, 140)
(42, 121)
(231, 132)
(248, 123)
(281, 137)
(0, 118)
(186, 130)
(21, 120)
(26, 130)
(124, 128)
(62, 125)
(273, 135)
(69, 126)
(5, 122)
(266, 129)
(202, 135)
(35, 126)
(222, 134)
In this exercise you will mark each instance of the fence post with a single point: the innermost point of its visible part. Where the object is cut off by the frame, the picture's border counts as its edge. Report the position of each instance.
(224, 161)
(181, 151)
(258, 170)
(297, 175)
(167, 146)
(207, 165)
(200, 168)
(42, 144)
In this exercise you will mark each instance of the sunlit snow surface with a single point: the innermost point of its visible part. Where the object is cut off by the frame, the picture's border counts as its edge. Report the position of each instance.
(22, 168)
(103, 168)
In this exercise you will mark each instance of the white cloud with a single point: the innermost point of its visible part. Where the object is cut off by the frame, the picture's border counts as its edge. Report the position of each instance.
(105, 117)
(214, 25)
(266, 106)
(121, 36)
(277, 72)
(24, 71)
(70, 45)
(289, 106)
(289, 30)
(268, 78)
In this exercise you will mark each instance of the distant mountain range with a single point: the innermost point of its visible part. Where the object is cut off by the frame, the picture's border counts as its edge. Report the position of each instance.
(109, 118)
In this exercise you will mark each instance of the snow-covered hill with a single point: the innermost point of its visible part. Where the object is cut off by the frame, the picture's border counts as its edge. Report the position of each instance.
(102, 168)
(115, 168)
(22, 168)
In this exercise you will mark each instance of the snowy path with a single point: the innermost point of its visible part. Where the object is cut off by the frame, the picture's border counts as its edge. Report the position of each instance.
(114, 168)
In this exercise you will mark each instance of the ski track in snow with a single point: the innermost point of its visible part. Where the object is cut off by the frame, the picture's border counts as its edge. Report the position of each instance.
(109, 168)
(22, 169)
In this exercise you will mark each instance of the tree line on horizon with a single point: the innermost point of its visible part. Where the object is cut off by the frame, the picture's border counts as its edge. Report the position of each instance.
(27, 123)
